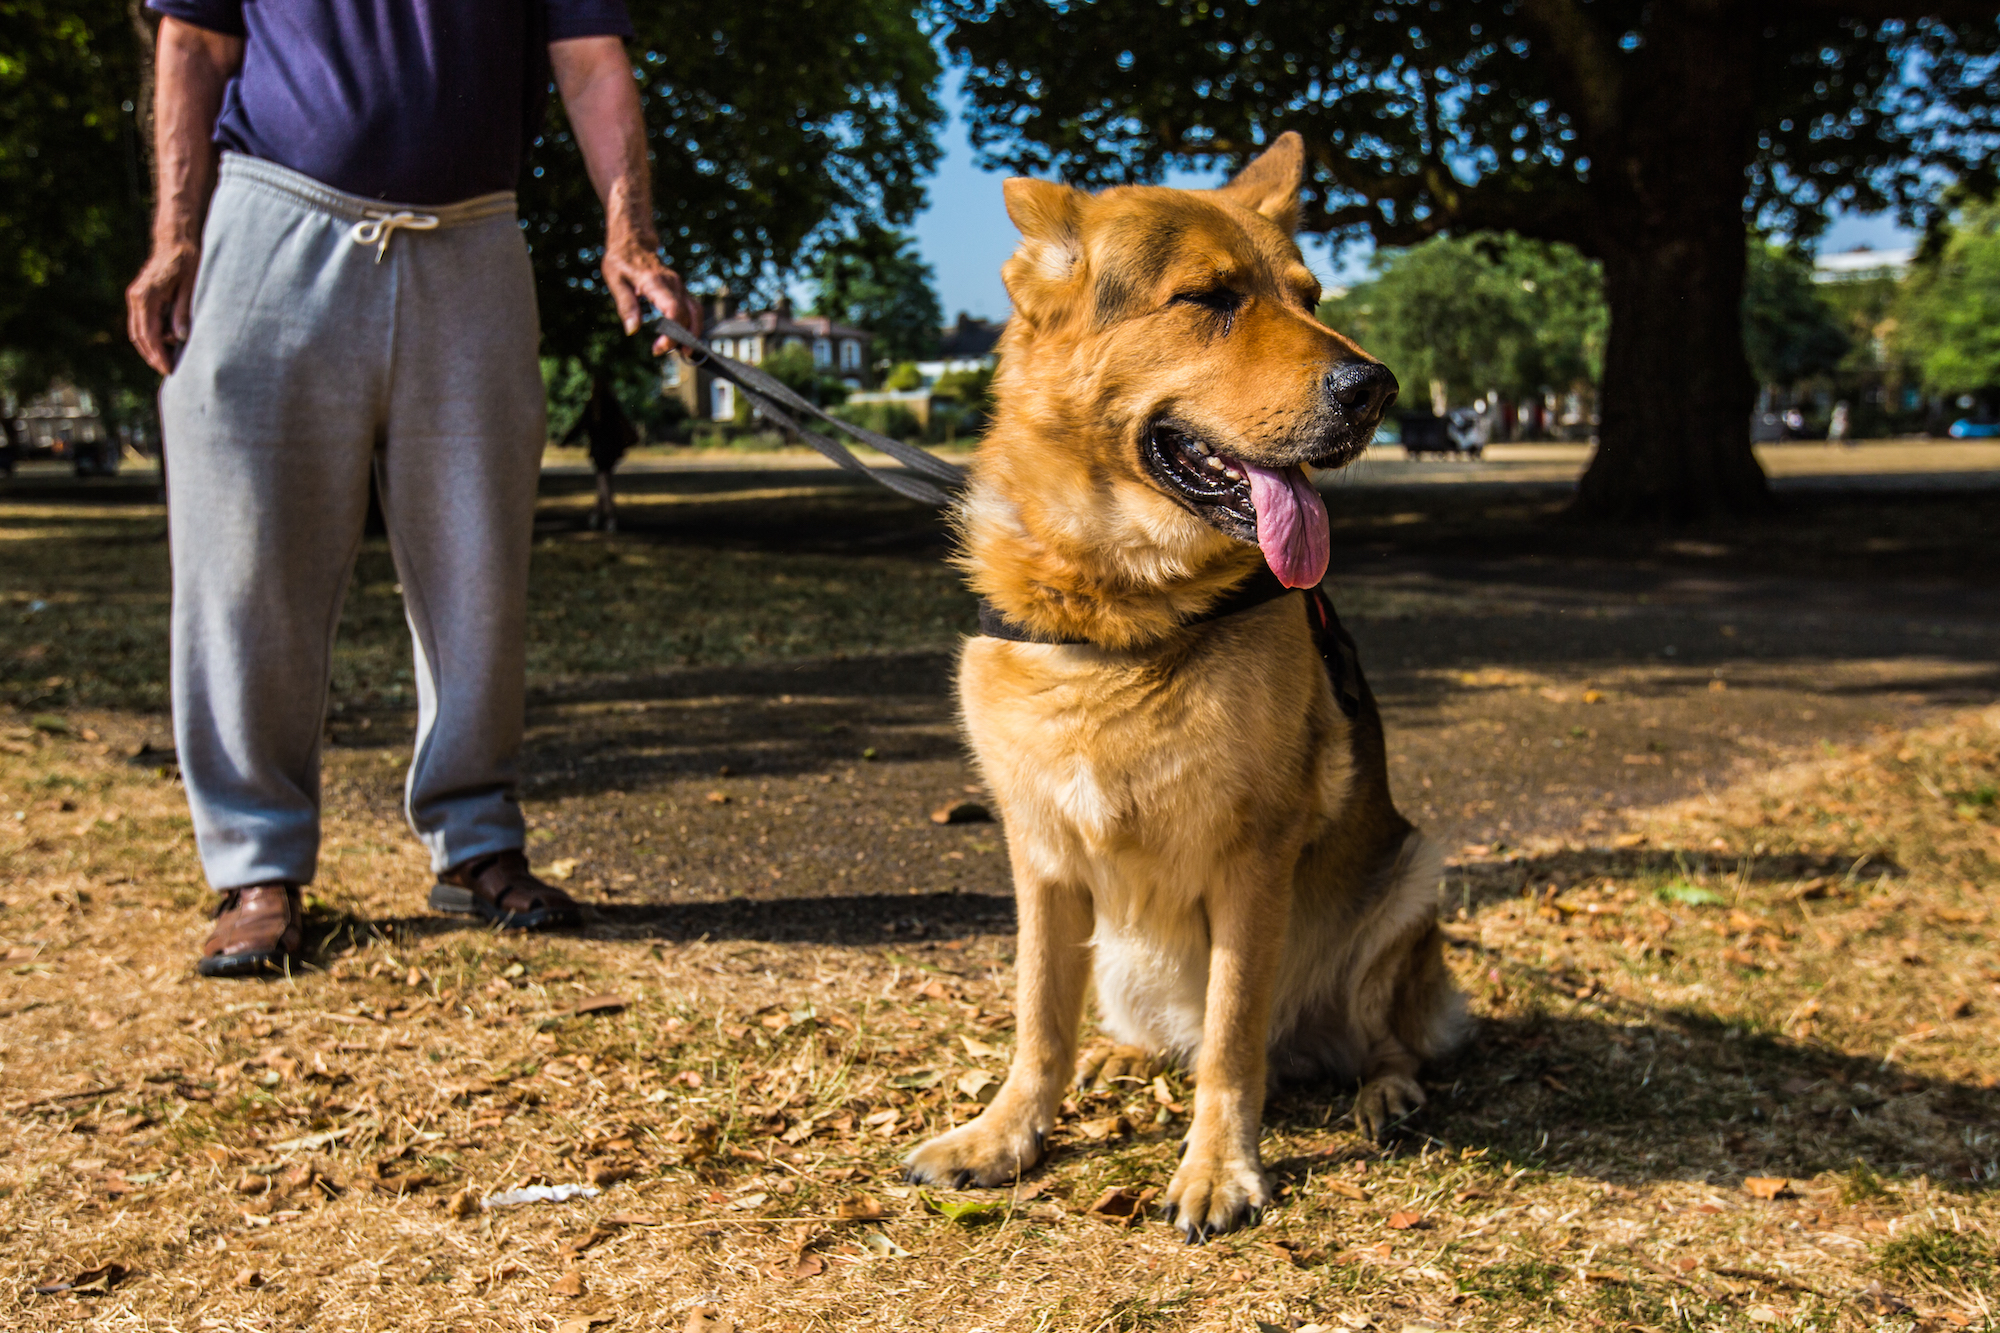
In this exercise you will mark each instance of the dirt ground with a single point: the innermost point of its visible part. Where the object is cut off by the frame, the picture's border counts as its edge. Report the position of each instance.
(1725, 838)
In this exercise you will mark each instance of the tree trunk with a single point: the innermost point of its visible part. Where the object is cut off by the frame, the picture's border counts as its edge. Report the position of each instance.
(1674, 440)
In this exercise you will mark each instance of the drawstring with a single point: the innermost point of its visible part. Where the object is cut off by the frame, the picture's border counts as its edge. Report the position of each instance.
(379, 227)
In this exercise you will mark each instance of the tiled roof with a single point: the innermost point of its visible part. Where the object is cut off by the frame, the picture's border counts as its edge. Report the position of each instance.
(770, 322)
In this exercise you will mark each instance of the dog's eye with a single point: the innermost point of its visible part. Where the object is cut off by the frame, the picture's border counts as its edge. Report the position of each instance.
(1217, 300)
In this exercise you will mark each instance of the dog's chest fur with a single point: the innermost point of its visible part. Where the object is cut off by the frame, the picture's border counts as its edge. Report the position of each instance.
(1149, 781)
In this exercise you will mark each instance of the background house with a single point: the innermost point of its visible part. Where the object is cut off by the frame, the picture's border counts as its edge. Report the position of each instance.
(755, 336)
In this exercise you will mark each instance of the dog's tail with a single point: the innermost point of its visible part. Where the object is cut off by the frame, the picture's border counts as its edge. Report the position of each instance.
(1428, 1013)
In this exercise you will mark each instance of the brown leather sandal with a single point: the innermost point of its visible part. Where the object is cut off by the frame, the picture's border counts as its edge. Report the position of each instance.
(501, 888)
(258, 928)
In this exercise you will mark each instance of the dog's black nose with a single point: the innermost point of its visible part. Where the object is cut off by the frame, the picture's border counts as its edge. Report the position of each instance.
(1363, 390)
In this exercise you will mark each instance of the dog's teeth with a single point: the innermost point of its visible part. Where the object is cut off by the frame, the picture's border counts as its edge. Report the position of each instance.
(1232, 474)
(1214, 464)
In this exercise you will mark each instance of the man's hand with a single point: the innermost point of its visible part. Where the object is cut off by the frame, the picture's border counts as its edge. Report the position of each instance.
(632, 271)
(602, 100)
(159, 305)
(192, 67)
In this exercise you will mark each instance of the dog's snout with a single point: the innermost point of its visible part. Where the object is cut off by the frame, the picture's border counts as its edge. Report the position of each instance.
(1362, 390)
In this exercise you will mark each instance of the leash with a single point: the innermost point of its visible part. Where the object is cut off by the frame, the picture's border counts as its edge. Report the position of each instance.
(778, 403)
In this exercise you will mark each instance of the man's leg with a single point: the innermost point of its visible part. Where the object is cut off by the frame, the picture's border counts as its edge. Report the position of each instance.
(271, 418)
(466, 433)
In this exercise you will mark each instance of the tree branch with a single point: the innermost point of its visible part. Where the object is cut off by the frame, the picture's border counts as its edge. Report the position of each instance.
(1589, 64)
(1880, 11)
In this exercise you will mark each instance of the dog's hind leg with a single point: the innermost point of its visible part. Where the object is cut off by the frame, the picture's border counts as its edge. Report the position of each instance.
(1411, 1012)
(1221, 1184)
(1051, 971)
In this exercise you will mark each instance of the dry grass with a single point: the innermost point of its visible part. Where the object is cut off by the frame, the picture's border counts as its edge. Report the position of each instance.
(1757, 991)
(1788, 988)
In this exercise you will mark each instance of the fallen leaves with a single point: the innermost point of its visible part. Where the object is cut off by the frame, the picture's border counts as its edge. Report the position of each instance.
(1406, 1221)
(1767, 1187)
(570, 1284)
(1122, 1204)
(1109, 1127)
(90, 1282)
(860, 1208)
(962, 812)
(599, 1004)
(964, 1212)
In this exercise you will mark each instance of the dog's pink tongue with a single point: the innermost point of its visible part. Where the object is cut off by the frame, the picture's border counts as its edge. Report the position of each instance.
(1291, 524)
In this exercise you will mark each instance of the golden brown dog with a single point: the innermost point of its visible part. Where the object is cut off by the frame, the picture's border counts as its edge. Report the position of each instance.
(1194, 818)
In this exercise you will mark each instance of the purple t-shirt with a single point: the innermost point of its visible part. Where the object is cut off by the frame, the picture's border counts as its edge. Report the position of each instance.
(407, 101)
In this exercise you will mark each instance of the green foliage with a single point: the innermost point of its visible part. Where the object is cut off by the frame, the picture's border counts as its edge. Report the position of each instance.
(904, 376)
(875, 280)
(774, 129)
(1524, 1279)
(972, 389)
(890, 419)
(792, 365)
(1949, 309)
(1690, 894)
(1953, 1258)
(1862, 1184)
(1529, 111)
(1790, 331)
(637, 384)
(1478, 314)
(72, 194)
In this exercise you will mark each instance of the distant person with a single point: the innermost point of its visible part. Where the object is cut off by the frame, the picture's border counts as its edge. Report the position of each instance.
(364, 303)
(1795, 424)
(1836, 426)
(609, 433)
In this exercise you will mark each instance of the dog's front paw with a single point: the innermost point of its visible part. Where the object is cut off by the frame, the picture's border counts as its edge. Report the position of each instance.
(1385, 1100)
(991, 1150)
(1215, 1192)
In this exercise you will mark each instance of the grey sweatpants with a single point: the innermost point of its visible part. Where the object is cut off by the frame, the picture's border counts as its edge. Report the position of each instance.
(319, 351)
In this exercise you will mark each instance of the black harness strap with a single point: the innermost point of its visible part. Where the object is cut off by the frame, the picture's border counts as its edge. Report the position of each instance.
(1336, 647)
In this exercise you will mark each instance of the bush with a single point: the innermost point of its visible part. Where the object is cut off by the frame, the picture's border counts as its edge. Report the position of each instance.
(890, 419)
(904, 376)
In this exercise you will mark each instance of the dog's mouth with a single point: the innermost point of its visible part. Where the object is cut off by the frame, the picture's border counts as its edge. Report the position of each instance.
(1276, 508)
(1209, 482)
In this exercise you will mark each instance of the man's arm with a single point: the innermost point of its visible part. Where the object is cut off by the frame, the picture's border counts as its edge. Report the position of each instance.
(602, 99)
(193, 66)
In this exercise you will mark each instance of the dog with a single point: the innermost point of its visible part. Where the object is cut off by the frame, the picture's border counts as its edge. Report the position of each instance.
(1187, 762)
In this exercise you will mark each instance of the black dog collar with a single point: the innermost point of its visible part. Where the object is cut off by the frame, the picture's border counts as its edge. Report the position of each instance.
(1336, 647)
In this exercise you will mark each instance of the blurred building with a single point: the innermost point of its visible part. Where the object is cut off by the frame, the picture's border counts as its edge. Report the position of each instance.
(754, 337)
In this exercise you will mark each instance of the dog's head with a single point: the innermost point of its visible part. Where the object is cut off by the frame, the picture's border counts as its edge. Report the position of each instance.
(1164, 345)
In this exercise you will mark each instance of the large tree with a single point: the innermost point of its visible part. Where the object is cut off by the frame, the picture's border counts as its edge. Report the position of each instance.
(1649, 134)
(73, 193)
(776, 127)
(1465, 316)
(1949, 311)
(876, 280)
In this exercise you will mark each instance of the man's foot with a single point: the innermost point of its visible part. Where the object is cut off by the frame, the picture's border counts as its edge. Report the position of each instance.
(259, 928)
(501, 888)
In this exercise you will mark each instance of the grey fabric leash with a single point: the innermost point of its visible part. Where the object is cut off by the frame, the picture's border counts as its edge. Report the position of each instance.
(778, 403)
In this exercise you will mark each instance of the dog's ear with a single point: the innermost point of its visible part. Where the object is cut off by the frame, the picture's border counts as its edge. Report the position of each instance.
(1051, 242)
(1270, 184)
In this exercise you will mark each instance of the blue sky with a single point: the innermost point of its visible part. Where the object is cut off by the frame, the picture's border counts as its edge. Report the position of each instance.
(965, 235)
